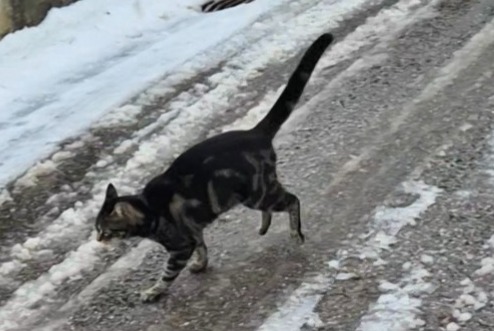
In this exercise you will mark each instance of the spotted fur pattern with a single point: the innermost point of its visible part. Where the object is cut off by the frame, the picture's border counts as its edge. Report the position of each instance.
(237, 167)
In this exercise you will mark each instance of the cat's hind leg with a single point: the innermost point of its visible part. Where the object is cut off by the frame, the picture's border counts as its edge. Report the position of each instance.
(276, 199)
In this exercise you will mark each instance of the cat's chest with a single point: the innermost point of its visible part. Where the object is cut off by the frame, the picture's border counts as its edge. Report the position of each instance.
(171, 236)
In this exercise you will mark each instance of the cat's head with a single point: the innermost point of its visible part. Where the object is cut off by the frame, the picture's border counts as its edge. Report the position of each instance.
(119, 217)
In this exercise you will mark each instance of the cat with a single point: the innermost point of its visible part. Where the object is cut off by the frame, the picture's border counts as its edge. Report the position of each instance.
(235, 167)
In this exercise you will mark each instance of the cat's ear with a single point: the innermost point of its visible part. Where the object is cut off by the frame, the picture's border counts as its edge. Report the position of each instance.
(128, 212)
(111, 192)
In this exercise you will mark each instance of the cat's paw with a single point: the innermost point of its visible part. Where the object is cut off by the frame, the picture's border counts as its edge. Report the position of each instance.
(151, 294)
(198, 266)
(263, 230)
(298, 237)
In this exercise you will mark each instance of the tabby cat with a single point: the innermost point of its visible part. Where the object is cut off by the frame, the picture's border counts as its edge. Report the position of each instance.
(236, 167)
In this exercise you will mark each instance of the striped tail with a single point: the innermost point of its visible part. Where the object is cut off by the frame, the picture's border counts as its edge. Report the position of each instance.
(283, 107)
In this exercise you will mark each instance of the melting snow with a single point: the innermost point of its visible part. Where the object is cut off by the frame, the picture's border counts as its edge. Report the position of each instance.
(105, 54)
(397, 309)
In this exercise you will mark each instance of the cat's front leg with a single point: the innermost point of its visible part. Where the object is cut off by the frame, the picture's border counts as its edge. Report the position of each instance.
(175, 264)
(200, 261)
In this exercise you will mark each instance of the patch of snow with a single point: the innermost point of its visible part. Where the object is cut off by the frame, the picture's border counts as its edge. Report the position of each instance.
(9, 268)
(452, 327)
(4, 196)
(119, 116)
(298, 309)
(314, 321)
(346, 276)
(487, 266)
(75, 145)
(379, 262)
(387, 221)
(124, 147)
(20, 307)
(397, 310)
(464, 317)
(334, 264)
(394, 219)
(491, 242)
(386, 286)
(30, 178)
(472, 299)
(61, 156)
(426, 259)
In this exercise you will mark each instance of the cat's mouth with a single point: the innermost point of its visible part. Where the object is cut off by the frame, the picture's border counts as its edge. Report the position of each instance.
(108, 236)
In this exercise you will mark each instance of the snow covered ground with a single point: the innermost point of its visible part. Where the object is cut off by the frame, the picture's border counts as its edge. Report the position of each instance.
(87, 59)
(383, 151)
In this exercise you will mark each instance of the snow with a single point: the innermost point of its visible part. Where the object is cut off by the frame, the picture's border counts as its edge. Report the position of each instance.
(119, 116)
(392, 220)
(334, 264)
(397, 309)
(452, 327)
(298, 308)
(426, 259)
(487, 266)
(486, 263)
(471, 299)
(388, 221)
(104, 54)
(346, 276)
(464, 317)
(4, 196)
(20, 306)
(31, 176)
(386, 286)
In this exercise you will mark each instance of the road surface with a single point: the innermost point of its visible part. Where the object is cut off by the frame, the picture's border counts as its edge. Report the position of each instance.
(391, 152)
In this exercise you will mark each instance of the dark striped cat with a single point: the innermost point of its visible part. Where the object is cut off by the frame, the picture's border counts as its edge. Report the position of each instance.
(237, 167)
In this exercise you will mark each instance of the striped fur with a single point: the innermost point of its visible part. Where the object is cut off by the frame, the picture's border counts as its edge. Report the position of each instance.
(216, 5)
(237, 167)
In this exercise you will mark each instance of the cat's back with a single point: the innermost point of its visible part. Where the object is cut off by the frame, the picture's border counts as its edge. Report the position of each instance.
(227, 146)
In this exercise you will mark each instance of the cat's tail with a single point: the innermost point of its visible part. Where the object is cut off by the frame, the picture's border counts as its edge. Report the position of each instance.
(283, 107)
